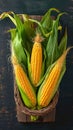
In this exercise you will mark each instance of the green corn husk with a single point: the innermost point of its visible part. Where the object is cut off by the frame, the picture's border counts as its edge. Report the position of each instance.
(47, 20)
(34, 118)
(63, 43)
(16, 45)
(52, 44)
(26, 31)
(20, 36)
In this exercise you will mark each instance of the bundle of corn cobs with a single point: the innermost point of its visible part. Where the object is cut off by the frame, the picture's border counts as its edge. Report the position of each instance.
(38, 54)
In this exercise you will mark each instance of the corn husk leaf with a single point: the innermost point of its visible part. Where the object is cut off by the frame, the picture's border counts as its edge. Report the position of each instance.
(9, 15)
(25, 27)
(47, 20)
(28, 25)
(16, 45)
(52, 45)
(63, 43)
(23, 32)
(28, 66)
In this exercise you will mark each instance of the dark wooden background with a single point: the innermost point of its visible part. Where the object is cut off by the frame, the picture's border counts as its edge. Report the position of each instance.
(64, 114)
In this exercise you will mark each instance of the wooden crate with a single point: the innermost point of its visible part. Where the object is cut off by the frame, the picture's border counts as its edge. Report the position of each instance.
(46, 114)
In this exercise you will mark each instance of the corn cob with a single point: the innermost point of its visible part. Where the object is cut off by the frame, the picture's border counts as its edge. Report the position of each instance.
(49, 87)
(25, 87)
(36, 60)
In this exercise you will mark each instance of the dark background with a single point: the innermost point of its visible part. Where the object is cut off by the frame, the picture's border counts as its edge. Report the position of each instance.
(64, 114)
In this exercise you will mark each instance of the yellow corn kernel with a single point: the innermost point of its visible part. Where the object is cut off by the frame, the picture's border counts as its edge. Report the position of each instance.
(25, 84)
(48, 89)
(49, 86)
(23, 81)
(36, 60)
